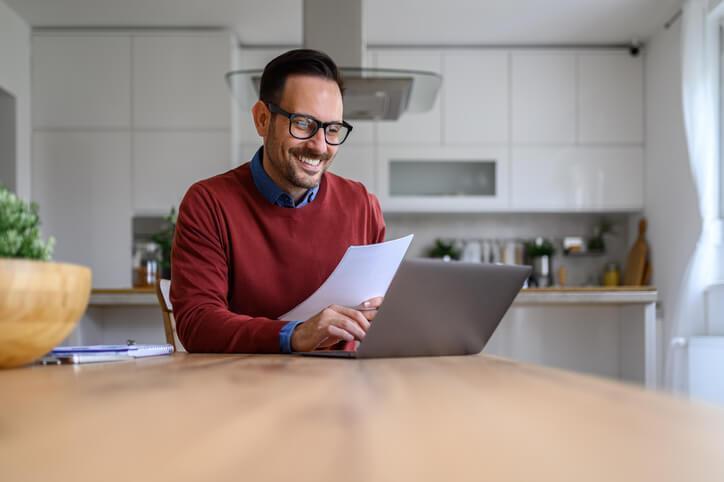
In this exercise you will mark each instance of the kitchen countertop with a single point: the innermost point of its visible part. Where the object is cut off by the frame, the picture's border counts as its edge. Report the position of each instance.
(277, 417)
(528, 296)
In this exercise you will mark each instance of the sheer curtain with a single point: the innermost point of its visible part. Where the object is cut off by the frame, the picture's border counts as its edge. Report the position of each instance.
(700, 65)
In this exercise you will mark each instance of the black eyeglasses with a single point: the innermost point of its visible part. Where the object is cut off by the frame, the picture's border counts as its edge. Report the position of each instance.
(303, 126)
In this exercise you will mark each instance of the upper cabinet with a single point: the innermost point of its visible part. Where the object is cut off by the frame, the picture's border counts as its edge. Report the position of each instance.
(178, 81)
(544, 97)
(411, 128)
(610, 93)
(81, 81)
(476, 90)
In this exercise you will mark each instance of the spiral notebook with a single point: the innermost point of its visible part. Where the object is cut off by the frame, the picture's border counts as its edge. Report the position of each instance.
(105, 353)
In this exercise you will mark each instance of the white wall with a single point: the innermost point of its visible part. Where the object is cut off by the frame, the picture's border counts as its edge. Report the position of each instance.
(15, 79)
(670, 198)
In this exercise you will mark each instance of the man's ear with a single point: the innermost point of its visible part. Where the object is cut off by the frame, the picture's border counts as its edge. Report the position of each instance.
(262, 118)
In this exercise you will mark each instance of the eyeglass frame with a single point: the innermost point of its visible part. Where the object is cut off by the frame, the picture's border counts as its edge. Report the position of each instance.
(275, 109)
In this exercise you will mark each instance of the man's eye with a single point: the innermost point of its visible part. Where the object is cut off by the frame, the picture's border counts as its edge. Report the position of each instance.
(305, 124)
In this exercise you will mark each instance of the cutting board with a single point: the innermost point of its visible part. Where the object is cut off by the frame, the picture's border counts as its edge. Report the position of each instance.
(636, 272)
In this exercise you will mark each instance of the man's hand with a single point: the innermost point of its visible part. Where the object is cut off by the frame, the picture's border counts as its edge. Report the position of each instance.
(333, 324)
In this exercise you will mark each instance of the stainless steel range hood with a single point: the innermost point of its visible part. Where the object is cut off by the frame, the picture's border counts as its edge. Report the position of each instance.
(337, 28)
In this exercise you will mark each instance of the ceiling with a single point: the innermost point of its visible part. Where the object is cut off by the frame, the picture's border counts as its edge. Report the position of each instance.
(399, 22)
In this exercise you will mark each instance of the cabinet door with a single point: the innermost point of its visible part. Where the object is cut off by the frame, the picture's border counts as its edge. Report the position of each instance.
(610, 98)
(411, 128)
(577, 179)
(82, 183)
(443, 179)
(357, 163)
(178, 81)
(544, 98)
(165, 164)
(477, 97)
(81, 81)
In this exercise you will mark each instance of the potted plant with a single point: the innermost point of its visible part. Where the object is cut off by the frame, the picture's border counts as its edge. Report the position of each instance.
(445, 250)
(164, 238)
(41, 300)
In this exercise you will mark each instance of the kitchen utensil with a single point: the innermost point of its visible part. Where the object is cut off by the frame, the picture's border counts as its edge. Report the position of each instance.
(636, 262)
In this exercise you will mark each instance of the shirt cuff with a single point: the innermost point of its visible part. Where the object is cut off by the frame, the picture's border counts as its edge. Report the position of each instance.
(285, 336)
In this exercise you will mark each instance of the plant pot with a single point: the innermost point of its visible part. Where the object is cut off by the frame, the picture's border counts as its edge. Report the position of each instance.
(40, 304)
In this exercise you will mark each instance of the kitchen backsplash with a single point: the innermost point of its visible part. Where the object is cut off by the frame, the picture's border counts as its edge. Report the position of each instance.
(500, 228)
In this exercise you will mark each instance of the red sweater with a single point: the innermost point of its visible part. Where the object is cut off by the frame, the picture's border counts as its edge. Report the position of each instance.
(240, 262)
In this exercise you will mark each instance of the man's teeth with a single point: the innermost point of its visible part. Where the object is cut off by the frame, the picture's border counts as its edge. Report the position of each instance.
(311, 162)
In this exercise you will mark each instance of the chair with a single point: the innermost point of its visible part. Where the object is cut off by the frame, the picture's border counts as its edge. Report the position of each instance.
(163, 290)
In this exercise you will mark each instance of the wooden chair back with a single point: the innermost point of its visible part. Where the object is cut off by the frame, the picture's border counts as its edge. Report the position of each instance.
(163, 292)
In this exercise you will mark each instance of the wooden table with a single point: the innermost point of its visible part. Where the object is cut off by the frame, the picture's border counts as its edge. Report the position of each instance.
(255, 418)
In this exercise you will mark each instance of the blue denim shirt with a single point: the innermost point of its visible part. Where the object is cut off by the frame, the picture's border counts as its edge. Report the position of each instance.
(275, 195)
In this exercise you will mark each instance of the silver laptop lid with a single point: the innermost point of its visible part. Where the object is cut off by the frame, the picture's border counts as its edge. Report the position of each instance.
(435, 308)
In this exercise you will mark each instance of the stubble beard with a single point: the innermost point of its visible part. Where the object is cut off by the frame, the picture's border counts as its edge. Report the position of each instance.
(285, 166)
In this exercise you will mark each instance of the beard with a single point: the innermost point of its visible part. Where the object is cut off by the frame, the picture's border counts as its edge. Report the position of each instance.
(285, 165)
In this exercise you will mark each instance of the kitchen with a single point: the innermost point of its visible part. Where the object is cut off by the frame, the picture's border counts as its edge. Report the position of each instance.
(564, 125)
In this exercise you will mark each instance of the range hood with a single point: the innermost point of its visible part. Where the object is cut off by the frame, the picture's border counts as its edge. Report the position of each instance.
(370, 94)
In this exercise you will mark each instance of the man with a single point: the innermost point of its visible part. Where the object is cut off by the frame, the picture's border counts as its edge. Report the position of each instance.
(252, 243)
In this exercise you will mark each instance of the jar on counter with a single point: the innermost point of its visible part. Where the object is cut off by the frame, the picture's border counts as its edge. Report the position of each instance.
(146, 264)
(611, 275)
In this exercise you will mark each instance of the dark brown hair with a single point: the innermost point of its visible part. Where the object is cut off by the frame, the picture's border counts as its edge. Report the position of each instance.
(296, 62)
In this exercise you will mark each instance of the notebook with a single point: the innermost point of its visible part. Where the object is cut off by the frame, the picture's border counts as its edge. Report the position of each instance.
(104, 353)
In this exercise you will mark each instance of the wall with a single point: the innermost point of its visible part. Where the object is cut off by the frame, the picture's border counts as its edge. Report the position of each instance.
(670, 196)
(15, 79)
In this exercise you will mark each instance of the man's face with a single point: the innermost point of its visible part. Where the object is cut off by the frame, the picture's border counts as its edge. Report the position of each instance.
(297, 165)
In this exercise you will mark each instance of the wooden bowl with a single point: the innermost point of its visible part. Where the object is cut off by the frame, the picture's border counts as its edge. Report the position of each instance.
(40, 304)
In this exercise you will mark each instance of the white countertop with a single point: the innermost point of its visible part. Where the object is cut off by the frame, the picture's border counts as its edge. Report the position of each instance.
(534, 296)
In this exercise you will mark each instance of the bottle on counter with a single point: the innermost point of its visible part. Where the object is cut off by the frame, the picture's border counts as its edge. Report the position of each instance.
(146, 264)
(611, 275)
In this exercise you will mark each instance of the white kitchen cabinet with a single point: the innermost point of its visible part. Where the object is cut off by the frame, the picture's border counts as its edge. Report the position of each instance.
(357, 163)
(443, 179)
(476, 88)
(82, 183)
(178, 80)
(610, 98)
(543, 97)
(411, 128)
(165, 164)
(81, 81)
(570, 178)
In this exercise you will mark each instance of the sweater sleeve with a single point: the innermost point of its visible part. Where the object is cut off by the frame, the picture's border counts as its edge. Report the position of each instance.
(200, 285)
(378, 227)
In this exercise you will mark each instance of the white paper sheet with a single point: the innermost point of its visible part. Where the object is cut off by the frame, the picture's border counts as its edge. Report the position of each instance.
(364, 272)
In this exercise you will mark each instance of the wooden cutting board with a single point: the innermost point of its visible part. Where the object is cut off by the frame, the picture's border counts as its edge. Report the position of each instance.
(635, 271)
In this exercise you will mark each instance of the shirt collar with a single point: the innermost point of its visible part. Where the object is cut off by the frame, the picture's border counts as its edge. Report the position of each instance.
(269, 189)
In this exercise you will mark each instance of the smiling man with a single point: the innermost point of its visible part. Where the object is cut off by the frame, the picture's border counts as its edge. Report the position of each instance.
(254, 242)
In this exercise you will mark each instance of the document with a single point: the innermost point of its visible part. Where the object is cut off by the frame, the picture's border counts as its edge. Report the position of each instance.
(104, 353)
(364, 272)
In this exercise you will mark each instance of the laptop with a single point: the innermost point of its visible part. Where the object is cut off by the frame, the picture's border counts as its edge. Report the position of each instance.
(438, 308)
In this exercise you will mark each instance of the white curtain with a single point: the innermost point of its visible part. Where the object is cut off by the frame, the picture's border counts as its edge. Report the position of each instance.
(700, 36)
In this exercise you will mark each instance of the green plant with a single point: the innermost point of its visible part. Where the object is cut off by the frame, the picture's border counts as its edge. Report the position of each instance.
(164, 238)
(597, 242)
(20, 229)
(539, 247)
(443, 249)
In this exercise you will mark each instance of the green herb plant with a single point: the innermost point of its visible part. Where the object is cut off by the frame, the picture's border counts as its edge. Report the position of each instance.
(164, 238)
(444, 249)
(20, 229)
(539, 247)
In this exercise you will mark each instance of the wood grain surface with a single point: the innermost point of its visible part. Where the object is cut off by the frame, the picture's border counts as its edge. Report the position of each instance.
(255, 418)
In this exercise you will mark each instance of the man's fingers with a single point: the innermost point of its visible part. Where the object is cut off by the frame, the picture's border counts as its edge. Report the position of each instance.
(340, 333)
(372, 303)
(352, 314)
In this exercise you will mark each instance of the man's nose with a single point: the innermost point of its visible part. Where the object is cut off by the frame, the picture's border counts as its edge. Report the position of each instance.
(318, 142)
